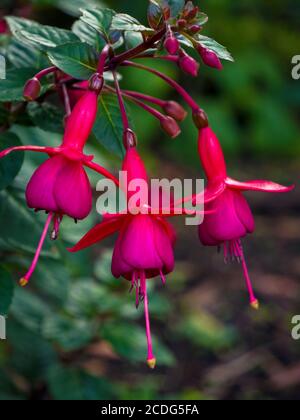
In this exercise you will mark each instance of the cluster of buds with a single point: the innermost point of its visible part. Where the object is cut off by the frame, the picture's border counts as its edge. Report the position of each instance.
(188, 25)
(145, 245)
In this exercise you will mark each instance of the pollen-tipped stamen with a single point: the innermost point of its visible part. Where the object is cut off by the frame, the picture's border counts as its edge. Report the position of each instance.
(25, 280)
(254, 303)
(151, 360)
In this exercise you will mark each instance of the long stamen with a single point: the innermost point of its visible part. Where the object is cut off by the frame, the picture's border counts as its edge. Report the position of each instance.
(163, 278)
(56, 225)
(151, 360)
(254, 303)
(24, 280)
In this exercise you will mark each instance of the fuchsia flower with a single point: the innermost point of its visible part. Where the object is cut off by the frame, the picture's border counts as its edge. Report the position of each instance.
(230, 217)
(144, 248)
(60, 186)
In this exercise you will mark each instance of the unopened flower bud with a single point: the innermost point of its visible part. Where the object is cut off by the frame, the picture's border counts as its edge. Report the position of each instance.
(210, 58)
(96, 83)
(170, 126)
(200, 119)
(189, 65)
(129, 139)
(193, 13)
(171, 45)
(32, 89)
(181, 23)
(194, 29)
(175, 110)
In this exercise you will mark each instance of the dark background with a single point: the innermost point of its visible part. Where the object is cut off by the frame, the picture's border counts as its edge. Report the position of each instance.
(75, 333)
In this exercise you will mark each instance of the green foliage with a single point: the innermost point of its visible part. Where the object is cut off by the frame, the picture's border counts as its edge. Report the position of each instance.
(10, 165)
(75, 333)
(77, 59)
(6, 291)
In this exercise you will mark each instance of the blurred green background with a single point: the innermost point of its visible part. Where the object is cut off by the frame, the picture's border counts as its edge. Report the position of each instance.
(75, 333)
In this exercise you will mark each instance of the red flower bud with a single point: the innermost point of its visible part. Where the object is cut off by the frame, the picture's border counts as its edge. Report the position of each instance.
(32, 89)
(129, 139)
(210, 58)
(200, 119)
(170, 126)
(96, 83)
(175, 110)
(171, 45)
(189, 65)
(194, 29)
(181, 23)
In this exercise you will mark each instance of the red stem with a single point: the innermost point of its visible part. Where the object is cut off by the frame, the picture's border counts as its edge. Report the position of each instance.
(44, 72)
(127, 55)
(66, 100)
(121, 103)
(156, 101)
(187, 98)
(102, 59)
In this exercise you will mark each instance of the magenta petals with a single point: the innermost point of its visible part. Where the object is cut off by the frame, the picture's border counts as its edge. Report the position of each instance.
(143, 245)
(231, 219)
(60, 186)
(258, 185)
(72, 191)
(40, 189)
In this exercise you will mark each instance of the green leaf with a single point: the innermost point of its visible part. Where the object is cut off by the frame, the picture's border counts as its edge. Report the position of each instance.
(176, 6)
(88, 35)
(69, 334)
(21, 55)
(132, 39)
(155, 15)
(29, 310)
(213, 45)
(123, 22)
(70, 384)
(73, 7)
(76, 59)
(46, 116)
(6, 291)
(4, 115)
(99, 19)
(42, 36)
(201, 19)
(11, 89)
(108, 128)
(129, 341)
(25, 231)
(11, 164)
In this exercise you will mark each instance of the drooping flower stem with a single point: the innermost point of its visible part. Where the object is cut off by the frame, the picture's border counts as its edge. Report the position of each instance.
(24, 280)
(141, 96)
(66, 100)
(102, 59)
(45, 72)
(151, 360)
(125, 119)
(187, 98)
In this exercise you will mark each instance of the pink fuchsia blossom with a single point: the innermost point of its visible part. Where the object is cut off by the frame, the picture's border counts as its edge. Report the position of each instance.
(145, 243)
(230, 218)
(60, 186)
